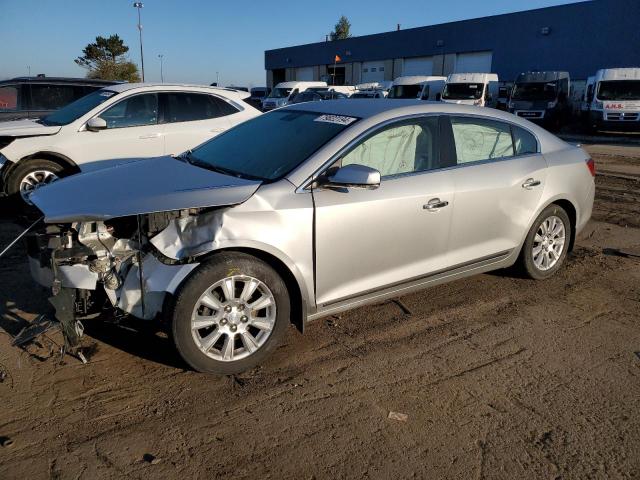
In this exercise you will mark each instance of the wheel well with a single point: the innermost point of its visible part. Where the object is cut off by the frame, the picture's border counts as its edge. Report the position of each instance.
(295, 296)
(66, 162)
(571, 211)
(61, 160)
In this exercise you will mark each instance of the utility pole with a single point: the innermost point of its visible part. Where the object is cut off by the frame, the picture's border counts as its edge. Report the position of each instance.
(160, 56)
(139, 6)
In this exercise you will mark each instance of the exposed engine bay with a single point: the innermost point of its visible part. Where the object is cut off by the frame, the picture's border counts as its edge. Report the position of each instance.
(112, 263)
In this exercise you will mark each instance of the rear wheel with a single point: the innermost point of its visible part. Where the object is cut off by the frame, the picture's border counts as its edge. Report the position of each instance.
(30, 175)
(547, 243)
(230, 315)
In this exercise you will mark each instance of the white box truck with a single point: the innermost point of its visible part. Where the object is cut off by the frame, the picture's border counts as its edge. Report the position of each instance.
(479, 89)
(616, 101)
(284, 92)
(543, 98)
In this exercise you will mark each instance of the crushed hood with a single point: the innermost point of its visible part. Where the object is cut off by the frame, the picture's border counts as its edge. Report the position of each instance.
(142, 186)
(25, 128)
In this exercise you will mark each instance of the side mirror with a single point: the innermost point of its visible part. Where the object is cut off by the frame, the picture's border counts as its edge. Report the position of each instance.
(355, 176)
(438, 97)
(96, 124)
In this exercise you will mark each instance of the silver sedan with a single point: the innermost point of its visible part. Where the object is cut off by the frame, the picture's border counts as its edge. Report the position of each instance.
(308, 211)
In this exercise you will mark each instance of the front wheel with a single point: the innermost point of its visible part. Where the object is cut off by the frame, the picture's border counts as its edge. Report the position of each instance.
(547, 243)
(29, 175)
(230, 315)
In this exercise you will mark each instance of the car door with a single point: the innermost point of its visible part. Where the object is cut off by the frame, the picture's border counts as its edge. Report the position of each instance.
(193, 118)
(499, 180)
(368, 239)
(132, 132)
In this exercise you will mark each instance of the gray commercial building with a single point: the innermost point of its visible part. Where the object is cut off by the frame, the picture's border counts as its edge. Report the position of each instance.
(579, 38)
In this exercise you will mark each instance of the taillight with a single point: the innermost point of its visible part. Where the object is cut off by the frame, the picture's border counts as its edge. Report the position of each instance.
(591, 166)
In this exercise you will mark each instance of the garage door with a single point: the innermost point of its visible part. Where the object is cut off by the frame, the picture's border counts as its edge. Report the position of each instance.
(417, 66)
(477, 62)
(372, 72)
(304, 74)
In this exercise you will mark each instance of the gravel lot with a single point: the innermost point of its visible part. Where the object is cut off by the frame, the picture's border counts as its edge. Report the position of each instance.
(500, 377)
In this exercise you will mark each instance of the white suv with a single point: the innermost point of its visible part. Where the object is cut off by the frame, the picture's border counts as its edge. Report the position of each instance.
(116, 122)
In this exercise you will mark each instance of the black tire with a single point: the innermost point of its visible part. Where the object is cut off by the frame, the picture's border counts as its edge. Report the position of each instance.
(526, 260)
(224, 265)
(21, 170)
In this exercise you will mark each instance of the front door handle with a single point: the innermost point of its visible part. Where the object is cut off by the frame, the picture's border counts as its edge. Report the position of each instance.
(151, 135)
(530, 183)
(434, 204)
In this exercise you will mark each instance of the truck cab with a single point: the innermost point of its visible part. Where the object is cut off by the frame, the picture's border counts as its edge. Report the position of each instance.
(284, 92)
(615, 104)
(480, 89)
(424, 87)
(542, 97)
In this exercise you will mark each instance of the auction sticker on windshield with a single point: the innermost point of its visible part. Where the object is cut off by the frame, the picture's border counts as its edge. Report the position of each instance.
(339, 119)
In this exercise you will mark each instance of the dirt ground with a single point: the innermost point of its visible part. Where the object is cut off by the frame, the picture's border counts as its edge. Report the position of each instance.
(500, 377)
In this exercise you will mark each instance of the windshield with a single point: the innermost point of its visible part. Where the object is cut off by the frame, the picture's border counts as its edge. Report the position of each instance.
(463, 91)
(405, 91)
(280, 93)
(619, 90)
(76, 109)
(535, 91)
(269, 146)
(258, 93)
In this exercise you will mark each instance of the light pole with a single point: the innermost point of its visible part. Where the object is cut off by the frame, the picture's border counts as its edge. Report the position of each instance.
(139, 6)
(161, 57)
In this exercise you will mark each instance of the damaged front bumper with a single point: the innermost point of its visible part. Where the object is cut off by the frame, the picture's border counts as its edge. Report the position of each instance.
(107, 263)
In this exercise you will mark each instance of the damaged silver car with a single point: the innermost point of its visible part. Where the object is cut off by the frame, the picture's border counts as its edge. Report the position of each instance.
(305, 212)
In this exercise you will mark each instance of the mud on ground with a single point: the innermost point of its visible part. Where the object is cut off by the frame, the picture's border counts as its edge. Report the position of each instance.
(500, 377)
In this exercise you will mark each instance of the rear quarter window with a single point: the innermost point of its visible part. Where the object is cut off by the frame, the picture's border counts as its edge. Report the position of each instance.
(523, 141)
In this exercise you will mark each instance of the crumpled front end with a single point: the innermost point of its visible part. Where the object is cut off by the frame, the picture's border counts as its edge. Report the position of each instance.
(108, 263)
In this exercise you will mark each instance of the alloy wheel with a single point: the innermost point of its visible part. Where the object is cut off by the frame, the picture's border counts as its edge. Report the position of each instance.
(548, 243)
(233, 318)
(34, 180)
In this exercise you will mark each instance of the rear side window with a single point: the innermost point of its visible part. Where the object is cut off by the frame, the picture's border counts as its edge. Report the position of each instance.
(478, 139)
(51, 97)
(9, 99)
(524, 142)
(190, 107)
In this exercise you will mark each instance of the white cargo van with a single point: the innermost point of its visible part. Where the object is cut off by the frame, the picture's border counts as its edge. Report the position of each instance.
(616, 100)
(417, 86)
(480, 89)
(284, 92)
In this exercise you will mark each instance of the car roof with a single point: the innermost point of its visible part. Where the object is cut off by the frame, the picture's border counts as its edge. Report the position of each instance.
(83, 81)
(228, 92)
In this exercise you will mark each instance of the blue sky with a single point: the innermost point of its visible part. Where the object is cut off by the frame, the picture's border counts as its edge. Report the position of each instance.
(199, 38)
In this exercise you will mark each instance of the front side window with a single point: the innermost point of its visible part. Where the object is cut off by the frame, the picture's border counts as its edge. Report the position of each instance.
(135, 111)
(478, 139)
(9, 98)
(405, 91)
(405, 147)
(51, 97)
(76, 109)
(269, 146)
(280, 93)
(463, 91)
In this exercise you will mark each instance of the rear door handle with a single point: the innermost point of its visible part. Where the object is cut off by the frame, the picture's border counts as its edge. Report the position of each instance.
(530, 183)
(151, 135)
(434, 204)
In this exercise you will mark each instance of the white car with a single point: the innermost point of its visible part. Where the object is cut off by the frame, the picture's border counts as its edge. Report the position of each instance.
(120, 121)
